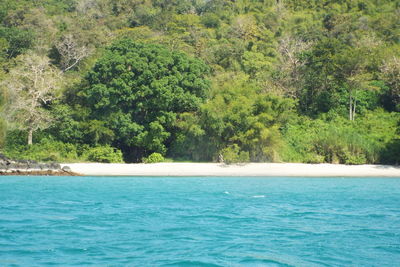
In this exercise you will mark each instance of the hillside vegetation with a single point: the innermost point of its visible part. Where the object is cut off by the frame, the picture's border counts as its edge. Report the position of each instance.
(200, 80)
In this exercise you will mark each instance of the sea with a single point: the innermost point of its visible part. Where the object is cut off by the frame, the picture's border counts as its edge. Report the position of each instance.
(199, 221)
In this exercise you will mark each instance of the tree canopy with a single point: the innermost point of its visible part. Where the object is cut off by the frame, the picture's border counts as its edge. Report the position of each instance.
(138, 90)
(135, 78)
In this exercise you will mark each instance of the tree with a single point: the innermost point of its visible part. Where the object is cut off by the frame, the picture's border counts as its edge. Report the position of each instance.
(18, 41)
(244, 27)
(391, 74)
(352, 73)
(356, 82)
(71, 53)
(31, 84)
(238, 119)
(138, 90)
(2, 122)
(289, 69)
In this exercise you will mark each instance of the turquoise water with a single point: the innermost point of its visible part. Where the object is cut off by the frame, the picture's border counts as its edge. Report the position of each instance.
(126, 221)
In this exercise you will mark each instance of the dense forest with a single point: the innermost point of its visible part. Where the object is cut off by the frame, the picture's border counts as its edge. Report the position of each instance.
(197, 80)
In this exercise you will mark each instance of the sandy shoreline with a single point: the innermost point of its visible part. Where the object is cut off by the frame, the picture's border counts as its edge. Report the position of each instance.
(252, 169)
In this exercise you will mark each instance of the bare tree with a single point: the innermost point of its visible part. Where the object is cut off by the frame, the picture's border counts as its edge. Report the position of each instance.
(244, 27)
(390, 72)
(31, 85)
(90, 8)
(368, 41)
(71, 52)
(290, 49)
(280, 9)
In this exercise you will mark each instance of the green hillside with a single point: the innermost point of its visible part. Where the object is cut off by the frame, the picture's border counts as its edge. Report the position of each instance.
(200, 80)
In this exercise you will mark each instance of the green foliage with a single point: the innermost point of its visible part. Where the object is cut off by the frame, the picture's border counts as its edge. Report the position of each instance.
(241, 114)
(391, 153)
(191, 142)
(51, 150)
(2, 132)
(103, 154)
(15, 40)
(153, 158)
(232, 154)
(136, 90)
(294, 80)
(45, 150)
(3, 126)
(237, 113)
(341, 141)
(210, 20)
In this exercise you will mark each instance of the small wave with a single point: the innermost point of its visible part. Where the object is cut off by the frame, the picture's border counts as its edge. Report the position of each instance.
(67, 202)
(17, 221)
(389, 248)
(208, 216)
(256, 261)
(58, 218)
(227, 193)
(192, 263)
(71, 250)
(258, 196)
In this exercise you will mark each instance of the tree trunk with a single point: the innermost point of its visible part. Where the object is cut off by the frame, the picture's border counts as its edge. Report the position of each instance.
(30, 134)
(350, 108)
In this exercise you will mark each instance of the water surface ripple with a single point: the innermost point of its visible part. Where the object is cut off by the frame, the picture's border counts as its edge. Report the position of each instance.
(127, 221)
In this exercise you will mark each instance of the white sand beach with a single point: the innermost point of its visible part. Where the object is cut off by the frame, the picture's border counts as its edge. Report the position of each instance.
(251, 169)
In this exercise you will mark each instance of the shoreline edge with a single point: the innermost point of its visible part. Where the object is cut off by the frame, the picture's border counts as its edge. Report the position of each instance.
(218, 169)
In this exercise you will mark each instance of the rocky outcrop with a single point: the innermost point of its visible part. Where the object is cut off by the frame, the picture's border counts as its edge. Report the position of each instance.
(32, 167)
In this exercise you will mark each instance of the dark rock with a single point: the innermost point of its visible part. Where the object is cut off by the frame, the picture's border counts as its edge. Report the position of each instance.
(12, 165)
(43, 166)
(55, 166)
(47, 166)
(66, 169)
(32, 163)
(21, 165)
(30, 167)
(35, 166)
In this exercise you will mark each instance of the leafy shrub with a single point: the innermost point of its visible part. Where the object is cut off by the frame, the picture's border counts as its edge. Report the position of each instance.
(154, 158)
(210, 20)
(2, 132)
(50, 150)
(104, 154)
(232, 154)
(45, 150)
(391, 153)
(339, 140)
